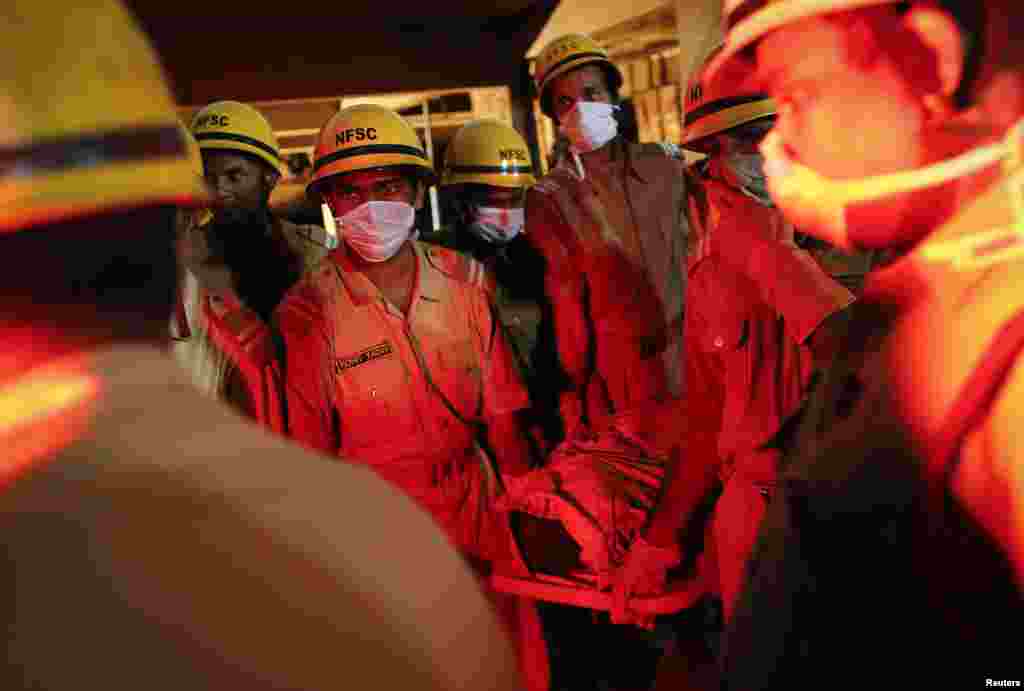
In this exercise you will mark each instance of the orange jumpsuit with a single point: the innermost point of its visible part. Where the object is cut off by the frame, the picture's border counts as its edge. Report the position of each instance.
(753, 300)
(615, 247)
(404, 394)
(360, 381)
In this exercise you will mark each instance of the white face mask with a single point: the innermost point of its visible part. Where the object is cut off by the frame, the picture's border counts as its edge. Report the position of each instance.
(377, 230)
(497, 226)
(589, 125)
(749, 171)
(819, 206)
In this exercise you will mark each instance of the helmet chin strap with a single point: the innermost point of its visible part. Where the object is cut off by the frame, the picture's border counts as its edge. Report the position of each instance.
(579, 164)
(329, 224)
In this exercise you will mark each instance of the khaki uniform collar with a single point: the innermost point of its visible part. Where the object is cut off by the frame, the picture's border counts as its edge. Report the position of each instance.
(429, 283)
(622, 153)
(360, 289)
(634, 166)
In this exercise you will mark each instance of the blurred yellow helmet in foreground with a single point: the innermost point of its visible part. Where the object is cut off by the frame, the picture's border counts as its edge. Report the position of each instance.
(748, 21)
(86, 120)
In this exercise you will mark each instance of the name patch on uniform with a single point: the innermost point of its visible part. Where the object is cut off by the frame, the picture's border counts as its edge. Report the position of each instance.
(362, 357)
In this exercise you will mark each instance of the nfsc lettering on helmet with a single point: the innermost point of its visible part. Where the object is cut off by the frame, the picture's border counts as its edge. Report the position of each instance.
(488, 152)
(355, 134)
(695, 94)
(513, 155)
(364, 137)
(211, 120)
(565, 54)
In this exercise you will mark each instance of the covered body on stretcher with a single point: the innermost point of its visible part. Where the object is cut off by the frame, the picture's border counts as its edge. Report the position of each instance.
(574, 520)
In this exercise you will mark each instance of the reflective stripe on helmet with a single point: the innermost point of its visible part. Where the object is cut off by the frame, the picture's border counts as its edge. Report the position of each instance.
(524, 170)
(239, 138)
(573, 58)
(369, 150)
(92, 149)
(720, 105)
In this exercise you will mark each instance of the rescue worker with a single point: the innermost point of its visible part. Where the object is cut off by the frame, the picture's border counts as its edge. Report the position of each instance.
(759, 314)
(193, 344)
(896, 531)
(487, 171)
(151, 539)
(394, 356)
(261, 255)
(611, 227)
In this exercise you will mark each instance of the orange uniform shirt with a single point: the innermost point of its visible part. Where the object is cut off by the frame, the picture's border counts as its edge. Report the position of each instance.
(360, 377)
(753, 300)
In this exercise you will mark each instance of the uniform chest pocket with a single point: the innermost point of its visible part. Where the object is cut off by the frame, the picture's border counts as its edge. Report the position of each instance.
(456, 370)
(723, 308)
(375, 401)
(725, 334)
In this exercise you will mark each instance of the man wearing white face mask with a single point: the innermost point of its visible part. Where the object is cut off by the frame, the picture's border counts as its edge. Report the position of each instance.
(240, 260)
(900, 510)
(760, 314)
(393, 355)
(611, 225)
(487, 170)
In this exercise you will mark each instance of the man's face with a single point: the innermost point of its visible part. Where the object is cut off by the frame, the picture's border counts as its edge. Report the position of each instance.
(745, 139)
(473, 197)
(496, 197)
(345, 192)
(735, 156)
(843, 117)
(584, 84)
(239, 181)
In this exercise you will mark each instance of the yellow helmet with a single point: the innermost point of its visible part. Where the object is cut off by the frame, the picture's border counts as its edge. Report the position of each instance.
(234, 126)
(488, 152)
(364, 137)
(195, 156)
(748, 21)
(566, 53)
(202, 214)
(90, 127)
(715, 107)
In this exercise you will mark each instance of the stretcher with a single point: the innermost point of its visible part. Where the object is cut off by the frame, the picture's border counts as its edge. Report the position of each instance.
(580, 590)
(544, 567)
